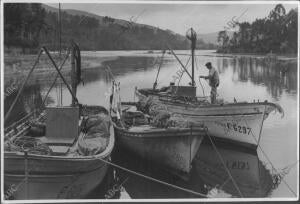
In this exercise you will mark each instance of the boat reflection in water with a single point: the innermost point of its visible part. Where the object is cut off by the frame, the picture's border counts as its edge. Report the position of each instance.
(207, 177)
(248, 172)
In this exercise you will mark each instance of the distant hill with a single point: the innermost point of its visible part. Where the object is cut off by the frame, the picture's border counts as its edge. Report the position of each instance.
(107, 33)
(212, 37)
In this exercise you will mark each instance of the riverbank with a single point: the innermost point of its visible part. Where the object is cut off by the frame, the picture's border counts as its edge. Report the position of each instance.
(283, 57)
(17, 67)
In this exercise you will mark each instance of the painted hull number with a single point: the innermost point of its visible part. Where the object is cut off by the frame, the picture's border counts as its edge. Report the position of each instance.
(239, 128)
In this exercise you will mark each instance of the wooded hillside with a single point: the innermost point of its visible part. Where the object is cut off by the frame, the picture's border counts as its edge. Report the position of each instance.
(35, 26)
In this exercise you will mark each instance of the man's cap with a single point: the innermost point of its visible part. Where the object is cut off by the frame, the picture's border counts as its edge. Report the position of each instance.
(208, 64)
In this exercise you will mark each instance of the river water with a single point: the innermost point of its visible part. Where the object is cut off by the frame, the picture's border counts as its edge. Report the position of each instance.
(271, 171)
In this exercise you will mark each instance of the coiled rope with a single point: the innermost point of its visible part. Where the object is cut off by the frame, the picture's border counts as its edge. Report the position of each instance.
(31, 144)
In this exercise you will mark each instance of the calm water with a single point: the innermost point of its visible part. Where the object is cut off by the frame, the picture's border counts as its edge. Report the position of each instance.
(245, 78)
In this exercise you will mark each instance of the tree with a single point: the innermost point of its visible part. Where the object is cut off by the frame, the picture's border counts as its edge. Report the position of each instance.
(23, 23)
(276, 33)
(223, 40)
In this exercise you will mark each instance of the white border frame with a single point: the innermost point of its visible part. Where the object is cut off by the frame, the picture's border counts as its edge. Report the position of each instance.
(137, 200)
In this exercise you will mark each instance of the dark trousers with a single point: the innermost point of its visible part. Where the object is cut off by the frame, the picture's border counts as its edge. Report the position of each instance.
(213, 95)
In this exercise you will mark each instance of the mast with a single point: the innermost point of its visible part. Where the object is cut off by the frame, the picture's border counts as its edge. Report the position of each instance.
(59, 25)
(192, 36)
(73, 74)
(193, 46)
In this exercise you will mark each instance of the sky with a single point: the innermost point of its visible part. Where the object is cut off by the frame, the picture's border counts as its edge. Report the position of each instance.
(178, 16)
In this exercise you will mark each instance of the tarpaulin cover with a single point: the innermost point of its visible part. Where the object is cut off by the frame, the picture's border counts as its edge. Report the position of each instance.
(96, 137)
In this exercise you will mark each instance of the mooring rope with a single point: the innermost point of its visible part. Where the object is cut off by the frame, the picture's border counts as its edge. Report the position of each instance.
(153, 179)
(266, 156)
(228, 171)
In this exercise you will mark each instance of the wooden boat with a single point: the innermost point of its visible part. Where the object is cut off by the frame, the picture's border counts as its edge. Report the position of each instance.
(240, 122)
(57, 153)
(251, 176)
(64, 172)
(172, 147)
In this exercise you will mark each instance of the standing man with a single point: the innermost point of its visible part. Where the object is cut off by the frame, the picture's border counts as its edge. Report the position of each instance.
(213, 77)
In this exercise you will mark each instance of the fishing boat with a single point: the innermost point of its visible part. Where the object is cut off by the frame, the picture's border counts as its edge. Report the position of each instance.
(238, 122)
(158, 139)
(58, 152)
(250, 177)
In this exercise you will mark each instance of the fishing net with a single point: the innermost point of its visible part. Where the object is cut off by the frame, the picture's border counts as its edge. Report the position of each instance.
(30, 144)
(160, 115)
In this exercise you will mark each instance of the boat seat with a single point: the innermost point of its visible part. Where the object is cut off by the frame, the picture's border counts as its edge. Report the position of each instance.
(62, 126)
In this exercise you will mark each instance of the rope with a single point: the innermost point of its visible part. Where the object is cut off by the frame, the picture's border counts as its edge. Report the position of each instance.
(182, 72)
(23, 85)
(31, 144)
(56, 77)
(266, 156)
(228, 172)
(200, 79)
(153, 179)
(159, 67)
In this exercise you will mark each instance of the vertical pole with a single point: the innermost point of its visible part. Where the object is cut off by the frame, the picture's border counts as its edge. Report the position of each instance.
(26, 173)
(193, 46)
(61, 95)
(73, 75)
(59, 24)
(191, 145)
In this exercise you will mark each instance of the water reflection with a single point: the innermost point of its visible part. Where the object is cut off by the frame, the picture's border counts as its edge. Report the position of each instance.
(121, 66)
(208, 172)
(29, 100)
(249, 173)
(277, 76)
(128, 65)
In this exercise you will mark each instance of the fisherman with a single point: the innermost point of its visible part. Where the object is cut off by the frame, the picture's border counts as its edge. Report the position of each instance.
(213, 77)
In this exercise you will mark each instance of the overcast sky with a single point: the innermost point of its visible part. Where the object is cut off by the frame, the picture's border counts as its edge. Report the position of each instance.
(204, 18)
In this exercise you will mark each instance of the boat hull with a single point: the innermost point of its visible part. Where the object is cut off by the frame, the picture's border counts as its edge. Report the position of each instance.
(173, 149)
(236, 122)
(59, 186)
(54, 177)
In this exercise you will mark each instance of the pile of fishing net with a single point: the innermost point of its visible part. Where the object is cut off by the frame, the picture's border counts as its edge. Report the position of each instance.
(160, 115)
(25, 143)
(96, 130)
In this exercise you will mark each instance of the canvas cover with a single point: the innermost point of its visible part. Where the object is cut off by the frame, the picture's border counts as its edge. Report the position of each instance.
(96, 134)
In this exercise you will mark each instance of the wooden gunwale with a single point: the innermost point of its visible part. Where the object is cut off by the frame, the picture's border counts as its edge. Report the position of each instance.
(161, 133)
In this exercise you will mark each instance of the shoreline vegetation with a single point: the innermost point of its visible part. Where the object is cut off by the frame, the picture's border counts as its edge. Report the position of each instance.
(274, 34)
